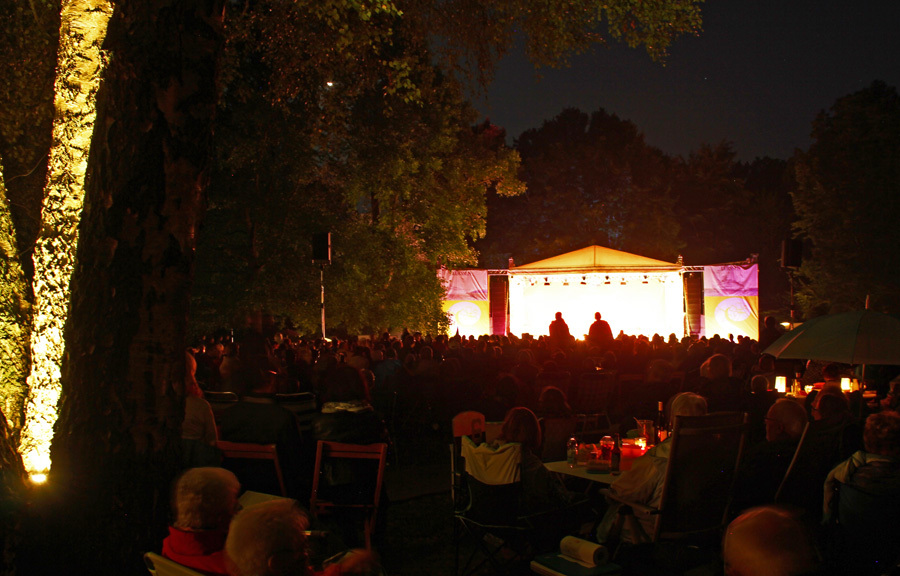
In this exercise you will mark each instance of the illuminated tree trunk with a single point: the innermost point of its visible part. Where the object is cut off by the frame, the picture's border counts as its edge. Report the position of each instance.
(12, 496)
(14, 320)
(79, 65)
(116, 443)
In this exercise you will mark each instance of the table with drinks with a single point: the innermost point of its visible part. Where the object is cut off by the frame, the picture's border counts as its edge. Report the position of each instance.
(600, 463)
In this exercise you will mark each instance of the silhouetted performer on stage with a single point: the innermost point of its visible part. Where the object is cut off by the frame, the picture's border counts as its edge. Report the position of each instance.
(600, 334)
(559, 333)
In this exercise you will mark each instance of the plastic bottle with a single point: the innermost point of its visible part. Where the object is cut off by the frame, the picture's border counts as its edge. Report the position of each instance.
(571, 450)
(615, 461)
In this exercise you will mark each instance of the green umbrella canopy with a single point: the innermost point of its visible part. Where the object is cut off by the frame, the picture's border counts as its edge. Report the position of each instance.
(858, 337)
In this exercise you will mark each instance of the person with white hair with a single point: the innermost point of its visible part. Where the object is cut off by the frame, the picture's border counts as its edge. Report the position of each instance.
(204, 501)
(269, 539)
(644, 481)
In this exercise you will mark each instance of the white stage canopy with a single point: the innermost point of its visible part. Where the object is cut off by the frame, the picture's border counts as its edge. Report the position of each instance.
(633, 293)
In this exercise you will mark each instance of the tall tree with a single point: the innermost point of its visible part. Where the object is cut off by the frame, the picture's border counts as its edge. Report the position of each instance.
(709, 192)
(28, 41)
(590, 180)
(848, 203)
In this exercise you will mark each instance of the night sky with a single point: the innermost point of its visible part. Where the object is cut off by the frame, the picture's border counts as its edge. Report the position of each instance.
(756, 76)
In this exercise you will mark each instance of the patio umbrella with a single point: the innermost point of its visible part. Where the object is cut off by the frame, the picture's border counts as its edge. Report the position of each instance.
(859, 337)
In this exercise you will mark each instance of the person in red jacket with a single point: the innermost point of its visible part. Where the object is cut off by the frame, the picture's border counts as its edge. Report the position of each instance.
(205, 501)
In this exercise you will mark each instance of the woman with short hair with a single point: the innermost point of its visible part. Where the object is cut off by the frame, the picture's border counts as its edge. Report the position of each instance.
(204, 502)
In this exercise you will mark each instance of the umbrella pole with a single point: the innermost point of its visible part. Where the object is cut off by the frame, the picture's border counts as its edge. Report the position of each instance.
(793, 305)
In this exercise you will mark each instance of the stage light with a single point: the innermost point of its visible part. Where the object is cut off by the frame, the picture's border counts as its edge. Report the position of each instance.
(845, 384)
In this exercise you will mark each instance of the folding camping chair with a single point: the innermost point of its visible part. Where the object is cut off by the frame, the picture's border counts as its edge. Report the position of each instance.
(469, 424)
(161, 566)
(490, 520)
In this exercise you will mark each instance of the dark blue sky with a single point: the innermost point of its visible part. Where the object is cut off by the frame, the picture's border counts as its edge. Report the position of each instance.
(756, 76)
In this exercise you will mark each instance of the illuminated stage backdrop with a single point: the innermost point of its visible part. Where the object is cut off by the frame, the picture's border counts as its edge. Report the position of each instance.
(731, 300)
(466, 301)
(633, 293)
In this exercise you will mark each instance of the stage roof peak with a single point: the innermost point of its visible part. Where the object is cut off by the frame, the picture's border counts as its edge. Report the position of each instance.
(595, 259)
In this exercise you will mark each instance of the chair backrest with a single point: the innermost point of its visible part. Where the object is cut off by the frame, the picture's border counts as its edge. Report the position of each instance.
(248, 451)
(493, 481)
(469, 424)
(816, 454)
(304, 407)
(703, 460)
(161, 566)
(865, 525)
(556, 433)
(219, 401)
(331, 451)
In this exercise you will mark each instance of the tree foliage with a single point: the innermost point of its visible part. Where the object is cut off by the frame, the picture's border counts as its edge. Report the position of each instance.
(848, 203)
(590, 180)
(398, 170)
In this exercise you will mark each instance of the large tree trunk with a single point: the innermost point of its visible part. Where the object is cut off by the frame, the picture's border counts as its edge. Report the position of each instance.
(12, 498)
(116, 444)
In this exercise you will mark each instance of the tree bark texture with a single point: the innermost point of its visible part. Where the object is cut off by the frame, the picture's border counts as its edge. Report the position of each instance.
(116, 444)
(12, 498)
(15, 316)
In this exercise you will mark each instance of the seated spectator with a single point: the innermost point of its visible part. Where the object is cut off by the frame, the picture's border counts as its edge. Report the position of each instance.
(863, 493)
(723, 392)
(498, 397)
(231, 370)
(765, 464)
(769, 541)
(878, 463)
(258, 419)
(558, 422)
(643, 482)
(833, 421)
(208, 361)
(198, 430)
(658, 386)
(761, 398)
(269, 539)
(204, 502)
(347, 414)
(553, 404)
(765, 367)
(541, 489)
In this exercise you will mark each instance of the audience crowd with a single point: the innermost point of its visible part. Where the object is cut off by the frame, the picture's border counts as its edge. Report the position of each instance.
(388, 388)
